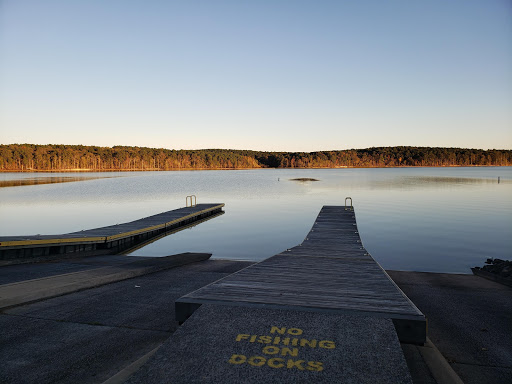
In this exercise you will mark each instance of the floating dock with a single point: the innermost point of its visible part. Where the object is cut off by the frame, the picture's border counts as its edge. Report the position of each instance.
(330, 272)
(106, 240)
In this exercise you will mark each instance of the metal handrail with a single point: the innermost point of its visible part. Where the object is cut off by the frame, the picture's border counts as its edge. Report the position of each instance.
(351, 207)
(193, 203)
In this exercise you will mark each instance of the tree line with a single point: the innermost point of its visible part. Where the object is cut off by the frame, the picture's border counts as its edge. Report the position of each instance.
(34, 157)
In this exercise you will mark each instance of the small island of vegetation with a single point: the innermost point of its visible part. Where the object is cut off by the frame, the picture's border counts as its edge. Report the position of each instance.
(304, 179)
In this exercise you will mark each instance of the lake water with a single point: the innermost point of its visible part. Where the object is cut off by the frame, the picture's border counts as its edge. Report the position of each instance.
(420, 219)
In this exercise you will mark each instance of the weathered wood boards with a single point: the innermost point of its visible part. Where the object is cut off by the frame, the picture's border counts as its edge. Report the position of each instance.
(105, 240)
(329, 272)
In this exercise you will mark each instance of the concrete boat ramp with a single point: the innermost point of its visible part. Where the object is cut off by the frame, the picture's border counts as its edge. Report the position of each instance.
(322, 312)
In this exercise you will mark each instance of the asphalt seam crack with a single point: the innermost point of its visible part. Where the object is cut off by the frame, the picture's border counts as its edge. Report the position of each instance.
(483, 365)
(88, 323)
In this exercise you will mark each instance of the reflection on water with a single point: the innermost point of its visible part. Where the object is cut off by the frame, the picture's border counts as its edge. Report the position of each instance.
(170, 232)
(433, 180)
(458, 180)
(42, 180)
(424, 219)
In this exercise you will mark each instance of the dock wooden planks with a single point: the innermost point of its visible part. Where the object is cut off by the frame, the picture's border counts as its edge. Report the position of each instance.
(330, 272)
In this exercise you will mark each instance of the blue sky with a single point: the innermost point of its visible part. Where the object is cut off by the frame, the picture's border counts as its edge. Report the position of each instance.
(264, 75)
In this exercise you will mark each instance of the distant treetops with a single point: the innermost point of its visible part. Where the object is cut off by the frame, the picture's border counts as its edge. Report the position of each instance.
(33, 157)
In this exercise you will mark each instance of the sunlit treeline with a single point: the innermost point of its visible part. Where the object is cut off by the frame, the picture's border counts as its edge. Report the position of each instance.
(22, 157)
(32, 157)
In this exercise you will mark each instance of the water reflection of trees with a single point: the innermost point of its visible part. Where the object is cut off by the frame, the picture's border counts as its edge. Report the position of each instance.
(435, 182)
(456, 180)
(42, 180)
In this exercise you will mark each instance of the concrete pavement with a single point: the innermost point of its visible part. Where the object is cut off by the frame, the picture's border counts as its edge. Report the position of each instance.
(469, 321)
(88, 276)
(227, 344)
(90, 335)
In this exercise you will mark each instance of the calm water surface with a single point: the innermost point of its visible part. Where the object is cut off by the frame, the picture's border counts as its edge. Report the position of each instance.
(421, 219)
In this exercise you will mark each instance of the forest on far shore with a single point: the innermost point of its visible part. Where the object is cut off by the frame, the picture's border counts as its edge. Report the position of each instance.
(34, 157)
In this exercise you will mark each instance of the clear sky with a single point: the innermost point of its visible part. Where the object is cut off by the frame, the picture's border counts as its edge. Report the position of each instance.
(271, 75)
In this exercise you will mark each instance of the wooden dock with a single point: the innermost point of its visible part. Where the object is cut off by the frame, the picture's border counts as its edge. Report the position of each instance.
(106, 240)
(329, 272)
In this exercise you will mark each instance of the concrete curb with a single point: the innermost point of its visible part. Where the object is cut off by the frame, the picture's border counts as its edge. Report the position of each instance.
(24, 292)
(440, 369)
(492, 277)
(126, 372)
